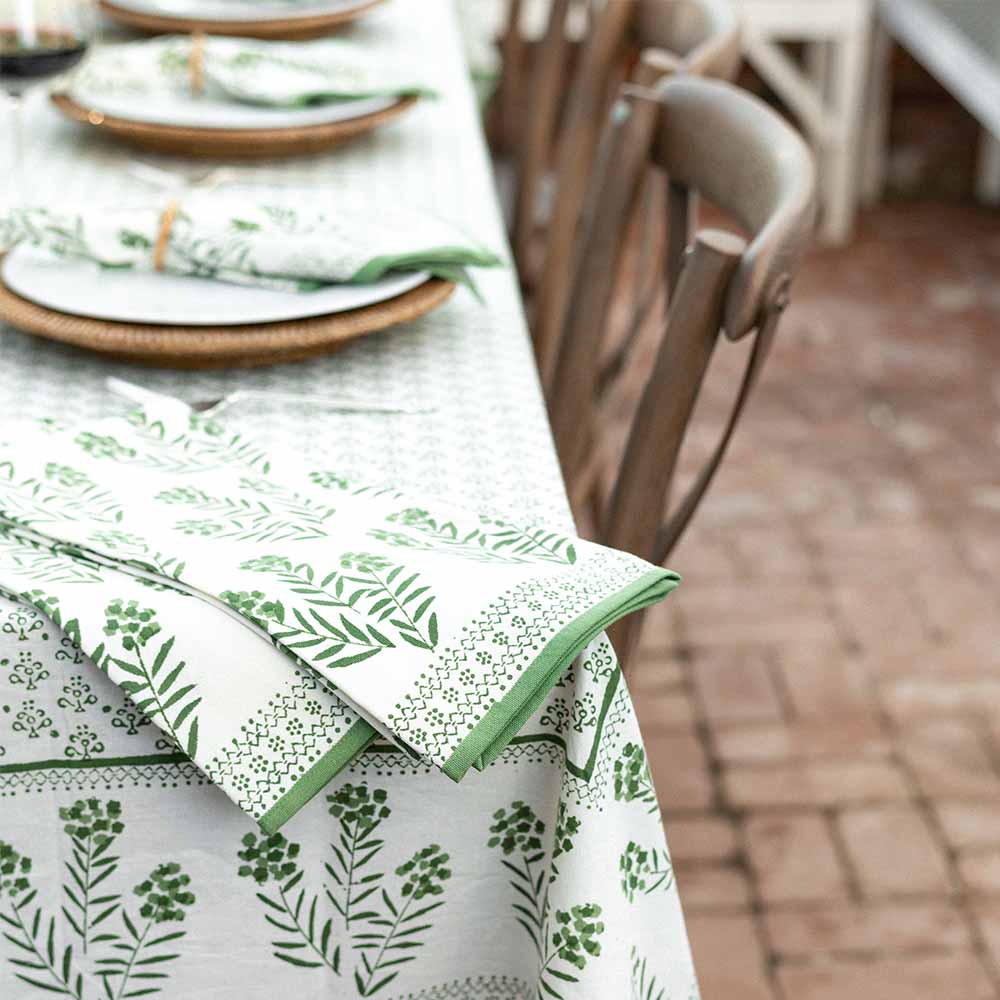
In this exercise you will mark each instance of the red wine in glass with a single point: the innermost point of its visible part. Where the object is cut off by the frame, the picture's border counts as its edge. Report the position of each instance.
(28, 59)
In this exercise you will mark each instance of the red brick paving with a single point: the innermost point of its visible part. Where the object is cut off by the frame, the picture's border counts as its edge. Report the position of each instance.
(821, 698)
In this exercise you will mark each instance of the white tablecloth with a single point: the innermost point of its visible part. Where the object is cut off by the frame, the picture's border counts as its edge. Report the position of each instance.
(556, 881)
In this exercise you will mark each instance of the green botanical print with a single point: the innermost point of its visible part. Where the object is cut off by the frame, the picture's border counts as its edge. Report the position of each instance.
(25, 671)
(157, 686)
(77, 695)
(162, 899)
(205, 443)
(62, 493)
(32, 720)
(494, 539)
(563, 939)
(307, 943)
(364, 585)
(633, 782)
(83, 744)
(644, 871)
(359, 813)
(48, 605)
(22, 622)
(328, 480)
(286, 517)
(92, 828)
(643, 981)
(44, 564)
(339, 645)
(392, 937)
(130, 954)
(104, 446)
(384, 929)
(396, 596)
(33, 935)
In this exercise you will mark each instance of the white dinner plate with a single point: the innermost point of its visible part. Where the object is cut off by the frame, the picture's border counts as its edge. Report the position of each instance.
(81, 288)
(190, 111)
(239, 10)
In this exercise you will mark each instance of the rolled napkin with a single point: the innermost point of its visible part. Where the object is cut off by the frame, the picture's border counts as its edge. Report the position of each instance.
(441, 628)
(285, 243)
(247, 71)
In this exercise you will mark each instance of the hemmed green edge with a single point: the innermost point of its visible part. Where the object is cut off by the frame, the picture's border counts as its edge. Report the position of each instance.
(355, 741)
(504, 720)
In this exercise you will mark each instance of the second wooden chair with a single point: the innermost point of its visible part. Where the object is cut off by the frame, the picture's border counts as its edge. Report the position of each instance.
(710, 139)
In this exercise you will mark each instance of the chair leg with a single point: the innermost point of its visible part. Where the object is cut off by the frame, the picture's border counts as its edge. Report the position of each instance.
(842, 169)
(875, 154)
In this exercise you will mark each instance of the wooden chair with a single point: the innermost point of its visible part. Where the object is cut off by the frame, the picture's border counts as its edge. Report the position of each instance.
(642, 40)
(713, 139)
(525, 111)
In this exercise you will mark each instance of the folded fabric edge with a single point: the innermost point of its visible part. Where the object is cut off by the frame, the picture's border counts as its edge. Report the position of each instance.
(503, 721)
(355, 741)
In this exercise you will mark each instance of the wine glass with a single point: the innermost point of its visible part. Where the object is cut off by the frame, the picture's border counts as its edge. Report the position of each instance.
(39, 39)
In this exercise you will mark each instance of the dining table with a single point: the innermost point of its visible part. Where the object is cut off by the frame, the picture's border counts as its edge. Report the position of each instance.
(124, 872)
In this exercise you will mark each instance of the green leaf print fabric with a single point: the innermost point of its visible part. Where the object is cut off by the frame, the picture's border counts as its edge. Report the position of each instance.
(440, 628)
(227, 236)
(250, 71)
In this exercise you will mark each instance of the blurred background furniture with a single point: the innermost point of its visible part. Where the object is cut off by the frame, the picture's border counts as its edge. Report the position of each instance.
(827, 94)
(710, 139)
(958, 42)
(644, 40)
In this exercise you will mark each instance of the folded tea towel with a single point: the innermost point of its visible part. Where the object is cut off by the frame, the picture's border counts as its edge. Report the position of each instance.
(440, 628)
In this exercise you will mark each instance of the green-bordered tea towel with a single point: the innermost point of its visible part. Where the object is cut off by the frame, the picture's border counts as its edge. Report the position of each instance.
(249, 71)
(289, 243)
(442, 627)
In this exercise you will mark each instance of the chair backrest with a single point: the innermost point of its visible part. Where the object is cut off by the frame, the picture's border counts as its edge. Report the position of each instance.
(539, 122)
(713, 139)
(524, 113)
(643, 40)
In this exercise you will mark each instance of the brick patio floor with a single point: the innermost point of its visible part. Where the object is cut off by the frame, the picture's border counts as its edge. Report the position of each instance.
(821, 698)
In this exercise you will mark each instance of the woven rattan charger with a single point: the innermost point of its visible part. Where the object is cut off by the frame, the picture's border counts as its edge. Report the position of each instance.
(226, 143)
(290, 28)
(199, 347)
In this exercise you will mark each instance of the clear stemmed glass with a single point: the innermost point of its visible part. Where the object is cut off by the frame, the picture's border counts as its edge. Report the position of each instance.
(39, 39)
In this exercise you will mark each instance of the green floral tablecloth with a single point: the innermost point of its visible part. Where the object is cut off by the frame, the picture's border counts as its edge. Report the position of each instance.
(548, 866)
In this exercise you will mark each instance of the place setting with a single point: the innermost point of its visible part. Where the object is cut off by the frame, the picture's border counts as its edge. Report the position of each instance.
(223, 269)
(240, 98)
(229, 276)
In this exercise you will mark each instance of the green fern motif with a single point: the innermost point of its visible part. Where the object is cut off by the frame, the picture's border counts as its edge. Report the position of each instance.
(63, 494)
(494, 540)
(144, 950)
(385, 929)
(130, 961)
(391, 937)
(156, 685)
(359, 813)
(284, 516)
(307, 941)
(205, 443)
(564, 940)
(45, 564)
(643, 983)
(365, 585)
(396, 596)
(92, 828)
